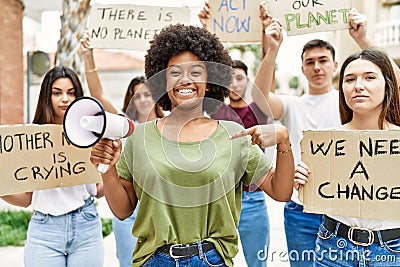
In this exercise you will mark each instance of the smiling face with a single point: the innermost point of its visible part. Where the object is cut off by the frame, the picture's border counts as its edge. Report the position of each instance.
(62, 94)
(318, 66)
(363, 87)
(186, 80)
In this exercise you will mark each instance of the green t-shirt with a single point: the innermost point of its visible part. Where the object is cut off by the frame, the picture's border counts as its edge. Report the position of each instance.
(189, 191)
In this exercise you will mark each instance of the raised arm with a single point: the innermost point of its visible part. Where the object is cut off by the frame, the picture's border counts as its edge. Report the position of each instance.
(358, 29)
(92, 77)
(265, 22)
(119, 192)
(266, 100)
(358, 32)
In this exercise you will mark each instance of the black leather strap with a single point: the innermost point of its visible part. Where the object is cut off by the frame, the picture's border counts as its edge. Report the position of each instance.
(188, 250)
(363, 236)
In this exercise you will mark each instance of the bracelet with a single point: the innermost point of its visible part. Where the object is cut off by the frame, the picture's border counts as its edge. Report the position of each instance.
(92, 70)
(284, 151)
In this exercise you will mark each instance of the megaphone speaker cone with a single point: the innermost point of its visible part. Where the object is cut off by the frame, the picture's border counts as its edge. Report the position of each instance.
(78, 110)
(86, 122)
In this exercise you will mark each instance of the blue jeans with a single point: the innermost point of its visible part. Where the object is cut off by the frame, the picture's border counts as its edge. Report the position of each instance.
(124, 240)
(74, 239)
(254, 228)
(332, 250)
(204, 259)
(301, 231)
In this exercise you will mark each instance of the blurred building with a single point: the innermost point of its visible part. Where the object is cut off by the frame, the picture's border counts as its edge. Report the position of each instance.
(383, 28)
(11, 71)
(41, 32)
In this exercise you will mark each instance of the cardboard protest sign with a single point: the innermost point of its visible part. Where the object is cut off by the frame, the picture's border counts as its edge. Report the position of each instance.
(353, 173)
(122, 26)
(35, 157)
(307, 16)
(236, 21)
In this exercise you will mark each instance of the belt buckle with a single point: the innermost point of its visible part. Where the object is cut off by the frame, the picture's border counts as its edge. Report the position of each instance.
(370, 236)
(171, 254)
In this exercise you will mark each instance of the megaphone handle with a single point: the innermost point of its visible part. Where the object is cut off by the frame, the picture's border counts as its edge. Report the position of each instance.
(102, 168)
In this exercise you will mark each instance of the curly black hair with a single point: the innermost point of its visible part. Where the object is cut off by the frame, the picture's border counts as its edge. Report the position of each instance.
(175, 39)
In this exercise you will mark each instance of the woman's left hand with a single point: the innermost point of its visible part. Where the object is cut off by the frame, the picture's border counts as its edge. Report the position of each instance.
(358, 25)
(301, 175)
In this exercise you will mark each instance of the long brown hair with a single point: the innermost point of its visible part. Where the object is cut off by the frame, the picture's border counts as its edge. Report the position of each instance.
(44, 111)
(133, 112)
(391, 103)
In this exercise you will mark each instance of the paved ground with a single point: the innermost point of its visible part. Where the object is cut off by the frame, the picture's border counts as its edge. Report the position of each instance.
(13, 256)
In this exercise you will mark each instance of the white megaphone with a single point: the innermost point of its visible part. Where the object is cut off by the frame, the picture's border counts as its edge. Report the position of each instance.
(86, 122)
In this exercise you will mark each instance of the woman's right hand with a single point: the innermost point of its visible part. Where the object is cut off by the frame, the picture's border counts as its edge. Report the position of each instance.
(86, 46)
(106, 151)
(265, 135)
(301, 175)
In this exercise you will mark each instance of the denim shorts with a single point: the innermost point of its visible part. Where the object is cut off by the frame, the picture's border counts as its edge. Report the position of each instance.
(301, 230)
(124, 240)
(254, 229)
(74, 239)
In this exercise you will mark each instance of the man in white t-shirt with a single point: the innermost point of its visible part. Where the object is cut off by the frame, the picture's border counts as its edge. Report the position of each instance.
(318, 109)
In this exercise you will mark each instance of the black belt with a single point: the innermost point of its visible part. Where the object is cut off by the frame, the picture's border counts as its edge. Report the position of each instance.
(189, 250)
(360, 236)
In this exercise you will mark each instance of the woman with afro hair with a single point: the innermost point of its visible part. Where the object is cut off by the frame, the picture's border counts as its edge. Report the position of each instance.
(187, 169)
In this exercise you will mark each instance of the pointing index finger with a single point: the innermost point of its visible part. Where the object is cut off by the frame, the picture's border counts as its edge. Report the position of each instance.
(239, 134)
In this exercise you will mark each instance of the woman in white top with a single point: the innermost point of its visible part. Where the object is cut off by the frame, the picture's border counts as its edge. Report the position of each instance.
(368, 100)
(65, 228)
